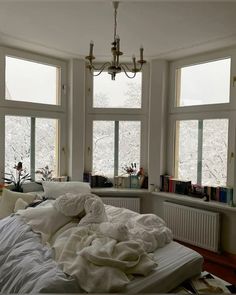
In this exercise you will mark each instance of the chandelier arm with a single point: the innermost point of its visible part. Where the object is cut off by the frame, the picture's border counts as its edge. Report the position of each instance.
(125, 68)
(100, 70)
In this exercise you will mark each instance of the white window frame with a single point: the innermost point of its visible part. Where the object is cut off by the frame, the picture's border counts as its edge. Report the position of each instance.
(117, 114)
(214, 111)
(30, 109)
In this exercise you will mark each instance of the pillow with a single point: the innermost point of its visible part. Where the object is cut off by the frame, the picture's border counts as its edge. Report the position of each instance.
(44, 220)
(20, 205)
(9, 199)
(56, 189)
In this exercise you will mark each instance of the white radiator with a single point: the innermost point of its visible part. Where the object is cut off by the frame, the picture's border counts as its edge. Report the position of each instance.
(194, 226)
(129, 203)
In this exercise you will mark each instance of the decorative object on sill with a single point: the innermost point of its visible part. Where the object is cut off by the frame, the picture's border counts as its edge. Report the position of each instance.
(2, 186)
(115, 66)
(45, 172)
(18, 180)
(132, 174)
(61, 178)
(100, 181)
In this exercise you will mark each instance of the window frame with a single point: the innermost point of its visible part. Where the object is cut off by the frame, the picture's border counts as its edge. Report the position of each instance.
(204, 58)
(61, 107)
(201, 112)
(36, 110)
(117, 114)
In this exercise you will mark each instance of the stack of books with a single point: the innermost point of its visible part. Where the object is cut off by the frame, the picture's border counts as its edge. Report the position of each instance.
(223, 194)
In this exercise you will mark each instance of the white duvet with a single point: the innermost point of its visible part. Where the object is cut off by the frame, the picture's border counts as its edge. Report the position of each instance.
(104, 256)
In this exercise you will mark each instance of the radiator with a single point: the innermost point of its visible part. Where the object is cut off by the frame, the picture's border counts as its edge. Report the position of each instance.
(194, 226)
(129, 203)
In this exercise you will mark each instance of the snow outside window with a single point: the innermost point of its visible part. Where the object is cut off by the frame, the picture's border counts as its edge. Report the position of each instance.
(30, 81)
(202, 84)
(121, 93)
(201, 151)
(116, 144)
(32, 141)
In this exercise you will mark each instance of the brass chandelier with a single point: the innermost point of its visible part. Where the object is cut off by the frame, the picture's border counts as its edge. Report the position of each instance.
(115, 66)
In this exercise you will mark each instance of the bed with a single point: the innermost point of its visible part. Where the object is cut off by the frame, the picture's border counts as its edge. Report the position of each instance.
(39, 252)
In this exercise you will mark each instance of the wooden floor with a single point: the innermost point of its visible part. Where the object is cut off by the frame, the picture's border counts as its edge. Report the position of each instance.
(222, 265)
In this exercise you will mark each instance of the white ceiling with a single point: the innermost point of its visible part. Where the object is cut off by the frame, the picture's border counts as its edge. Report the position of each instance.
(166, 29)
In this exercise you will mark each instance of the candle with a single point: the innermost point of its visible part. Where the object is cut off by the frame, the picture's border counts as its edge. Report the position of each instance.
(91, 49)
(141, 52)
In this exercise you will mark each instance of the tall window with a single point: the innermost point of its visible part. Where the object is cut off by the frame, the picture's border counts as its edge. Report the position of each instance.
(117, 122)
(32, 103)
(201, 145)
(32, 141)
(31, 81)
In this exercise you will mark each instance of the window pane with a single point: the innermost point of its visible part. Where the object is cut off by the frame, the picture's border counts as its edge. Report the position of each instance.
(17, 142)
(46, 144)
(129, 144)
(31, 82)
(103, 148)
(206, 83)
(215, 147)
(186, 150)
(121, 93)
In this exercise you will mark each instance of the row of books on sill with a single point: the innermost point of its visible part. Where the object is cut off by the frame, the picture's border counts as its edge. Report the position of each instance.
(209, 193)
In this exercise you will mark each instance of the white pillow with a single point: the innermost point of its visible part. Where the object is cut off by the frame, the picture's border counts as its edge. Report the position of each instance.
(20, 205)
(44, 220)
(9, 199)
(56, 189)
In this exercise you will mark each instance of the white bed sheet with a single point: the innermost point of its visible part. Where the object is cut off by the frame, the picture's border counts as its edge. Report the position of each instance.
(176, 263)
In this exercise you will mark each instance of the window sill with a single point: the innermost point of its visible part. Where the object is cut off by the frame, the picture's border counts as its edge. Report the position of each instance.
(186, 200)
(119, 191)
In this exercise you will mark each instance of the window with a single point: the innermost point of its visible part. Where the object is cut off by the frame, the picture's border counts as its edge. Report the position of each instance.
(46, 144)
(32, 111)
(116, 124)
(205, 83)
(202, 119)
(17, 142)
(201, 151)
(31, 81)
(116, 144)
(32, 141)
(121, 93)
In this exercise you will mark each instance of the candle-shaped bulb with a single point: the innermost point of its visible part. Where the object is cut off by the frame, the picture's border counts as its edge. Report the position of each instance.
(141, 52)
(134, 61)
(91, 48)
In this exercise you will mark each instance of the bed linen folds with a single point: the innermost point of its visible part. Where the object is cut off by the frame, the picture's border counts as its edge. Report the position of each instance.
(26, 266)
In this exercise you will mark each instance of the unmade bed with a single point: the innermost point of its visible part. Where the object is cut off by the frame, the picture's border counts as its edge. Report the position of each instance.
(28, 263)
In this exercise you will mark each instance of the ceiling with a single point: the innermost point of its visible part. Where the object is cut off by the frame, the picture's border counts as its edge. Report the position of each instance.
(167, 29)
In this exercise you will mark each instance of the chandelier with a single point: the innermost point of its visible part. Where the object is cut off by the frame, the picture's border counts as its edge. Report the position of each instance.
(115, 66)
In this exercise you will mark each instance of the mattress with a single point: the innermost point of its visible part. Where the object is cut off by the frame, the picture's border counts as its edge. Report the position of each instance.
(176, 263)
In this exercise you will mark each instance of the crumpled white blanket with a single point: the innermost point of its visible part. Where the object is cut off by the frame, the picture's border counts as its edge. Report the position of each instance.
(81, 204)
(149, 230)
(99, 262)
(106, 249)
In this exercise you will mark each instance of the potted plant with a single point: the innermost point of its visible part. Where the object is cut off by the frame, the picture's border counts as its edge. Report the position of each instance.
(45, 172)
(18, 180)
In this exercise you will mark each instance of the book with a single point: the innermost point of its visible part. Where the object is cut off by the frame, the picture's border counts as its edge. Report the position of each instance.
(206, 285)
